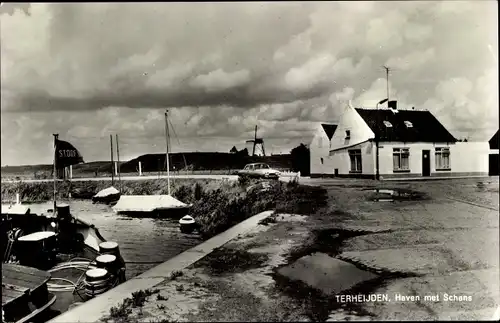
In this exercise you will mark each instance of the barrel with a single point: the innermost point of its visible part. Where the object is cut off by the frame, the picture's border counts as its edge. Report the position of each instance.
(108, 262)
(63, 211)
(111, 248)
(96, 274)
(96, 281)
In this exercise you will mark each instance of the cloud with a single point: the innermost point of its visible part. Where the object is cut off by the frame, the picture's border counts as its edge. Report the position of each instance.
(88, 70)
(219, 80)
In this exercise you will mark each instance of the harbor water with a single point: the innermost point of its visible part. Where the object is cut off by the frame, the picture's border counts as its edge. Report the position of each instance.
(144, 243)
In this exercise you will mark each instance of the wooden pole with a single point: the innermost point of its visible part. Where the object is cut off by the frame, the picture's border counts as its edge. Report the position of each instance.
(112, 164)
(168, 159)
(56, 137)
(118, 167)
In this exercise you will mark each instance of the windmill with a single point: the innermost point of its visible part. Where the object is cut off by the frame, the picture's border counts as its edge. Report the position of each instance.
(257, 141)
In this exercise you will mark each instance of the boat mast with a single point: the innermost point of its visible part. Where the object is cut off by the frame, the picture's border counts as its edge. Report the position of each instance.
(168, 158)
(112, 162)
(118, 164)
(56, 136)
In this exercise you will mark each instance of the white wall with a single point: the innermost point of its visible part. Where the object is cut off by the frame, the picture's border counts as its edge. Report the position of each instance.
(465, 157)
(469, 157)
(319, 148)
(360, 132)
(340, 159)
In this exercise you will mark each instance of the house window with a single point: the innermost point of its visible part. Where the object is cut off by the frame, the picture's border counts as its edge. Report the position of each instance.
(408, 124)
(321, 160)
(401, 159)
(355, 157)
(443, 158)
(348, 134)
(387, 124)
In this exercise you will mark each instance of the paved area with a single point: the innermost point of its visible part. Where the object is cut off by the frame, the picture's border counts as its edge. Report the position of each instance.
(450, 240)
(98, 307)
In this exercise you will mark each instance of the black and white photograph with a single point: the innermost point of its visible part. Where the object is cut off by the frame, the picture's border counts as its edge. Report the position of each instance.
(272, 161)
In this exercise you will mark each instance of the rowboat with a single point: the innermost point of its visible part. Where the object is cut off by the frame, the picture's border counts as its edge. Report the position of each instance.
(25, 296)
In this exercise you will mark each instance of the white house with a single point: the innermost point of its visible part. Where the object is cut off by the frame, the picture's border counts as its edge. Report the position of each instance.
(320, 150)
(399, 143)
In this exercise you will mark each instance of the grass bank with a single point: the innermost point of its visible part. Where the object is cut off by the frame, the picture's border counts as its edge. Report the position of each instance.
(43, 191)
(216, 210)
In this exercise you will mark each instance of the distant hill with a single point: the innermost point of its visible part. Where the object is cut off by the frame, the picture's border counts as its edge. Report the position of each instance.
(90, 167)
(203, 161)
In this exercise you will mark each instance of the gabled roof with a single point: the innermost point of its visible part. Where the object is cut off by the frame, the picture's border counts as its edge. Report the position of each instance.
(425, 127)
(329, 129)
(494, 141)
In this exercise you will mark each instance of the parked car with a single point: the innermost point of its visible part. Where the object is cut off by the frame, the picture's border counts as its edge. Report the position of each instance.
(259, 170)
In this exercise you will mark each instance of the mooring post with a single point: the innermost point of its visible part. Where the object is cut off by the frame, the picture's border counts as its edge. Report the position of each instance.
(140, 169)
(18, 200)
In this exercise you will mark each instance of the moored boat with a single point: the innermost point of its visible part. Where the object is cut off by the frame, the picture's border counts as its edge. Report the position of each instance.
(187, 224)
(108, 196)
(67, 248)
(61, 244)
(162, 206)
(25, 296)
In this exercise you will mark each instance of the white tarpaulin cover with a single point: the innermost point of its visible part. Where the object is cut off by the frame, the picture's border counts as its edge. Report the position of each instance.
(14, 209)
(147, 203)
(107, 192)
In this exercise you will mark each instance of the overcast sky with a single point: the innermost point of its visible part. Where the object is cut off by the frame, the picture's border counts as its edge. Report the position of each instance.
(86, 71)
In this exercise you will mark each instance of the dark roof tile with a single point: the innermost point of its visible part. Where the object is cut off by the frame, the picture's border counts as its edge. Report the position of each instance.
(425, 127)
(329, 129)
(494, 141)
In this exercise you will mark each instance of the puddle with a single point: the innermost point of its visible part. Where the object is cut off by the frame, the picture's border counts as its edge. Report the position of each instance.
(392, 195)
(315, 289)
(486, 187)
(329, 275)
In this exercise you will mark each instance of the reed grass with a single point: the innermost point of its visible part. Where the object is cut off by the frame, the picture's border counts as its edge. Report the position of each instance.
(217, 209)
(30, 192)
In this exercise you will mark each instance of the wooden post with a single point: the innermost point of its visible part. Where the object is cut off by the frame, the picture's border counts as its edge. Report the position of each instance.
(112, 164)
(140, 169)
(56, 136)
(118, 164)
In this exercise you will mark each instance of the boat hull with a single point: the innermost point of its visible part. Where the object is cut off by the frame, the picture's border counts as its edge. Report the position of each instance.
(25, 295)
(109, 199)
(188, 228)
(172, 213)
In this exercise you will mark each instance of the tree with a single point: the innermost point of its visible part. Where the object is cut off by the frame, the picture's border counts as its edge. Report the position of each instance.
(300, 159)
(243, 152)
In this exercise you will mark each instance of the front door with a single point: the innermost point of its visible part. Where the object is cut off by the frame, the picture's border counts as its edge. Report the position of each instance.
(426, 163)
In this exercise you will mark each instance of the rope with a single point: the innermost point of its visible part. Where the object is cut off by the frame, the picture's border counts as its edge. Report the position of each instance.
(91, 289)
(12, 235)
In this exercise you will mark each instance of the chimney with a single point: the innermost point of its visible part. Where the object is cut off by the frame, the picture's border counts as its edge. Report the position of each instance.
(393, 105)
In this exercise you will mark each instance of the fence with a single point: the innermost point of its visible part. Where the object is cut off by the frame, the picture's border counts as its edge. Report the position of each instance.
(89, 174)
